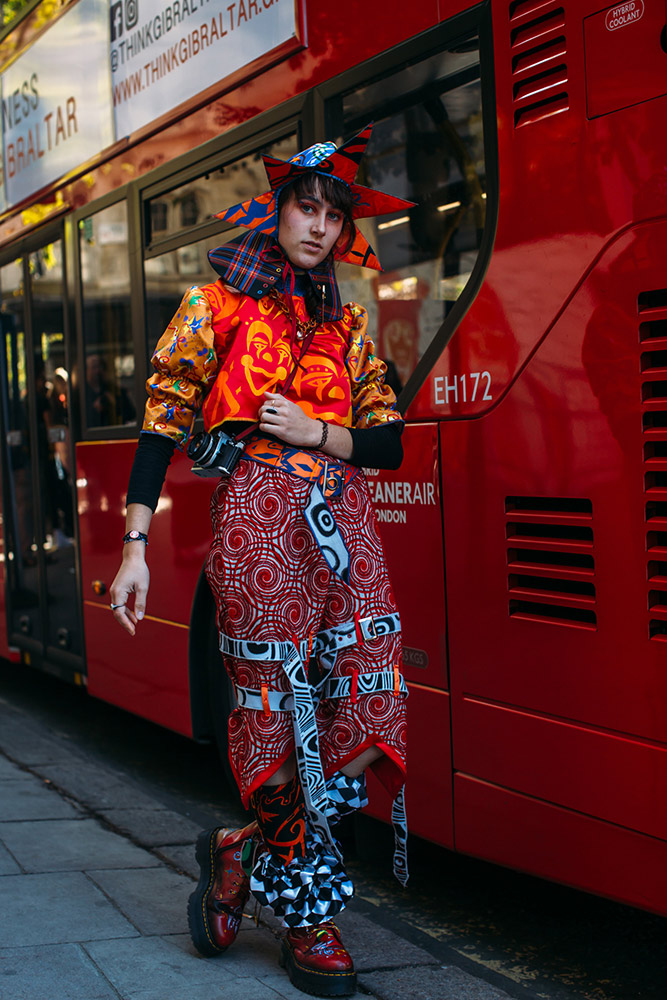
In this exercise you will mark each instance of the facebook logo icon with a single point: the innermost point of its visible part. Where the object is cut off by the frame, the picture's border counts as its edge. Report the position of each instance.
(116, 20)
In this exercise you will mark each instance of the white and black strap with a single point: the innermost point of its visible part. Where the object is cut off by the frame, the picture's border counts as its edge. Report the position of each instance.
(333, 687)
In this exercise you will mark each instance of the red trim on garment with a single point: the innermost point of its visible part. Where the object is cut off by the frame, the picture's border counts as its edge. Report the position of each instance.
(385, 768)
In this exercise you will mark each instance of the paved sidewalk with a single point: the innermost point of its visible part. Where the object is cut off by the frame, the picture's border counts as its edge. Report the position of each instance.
(94, 881)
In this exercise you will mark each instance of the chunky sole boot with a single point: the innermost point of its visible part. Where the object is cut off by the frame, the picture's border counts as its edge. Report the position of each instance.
(317, 962)
(215, 908)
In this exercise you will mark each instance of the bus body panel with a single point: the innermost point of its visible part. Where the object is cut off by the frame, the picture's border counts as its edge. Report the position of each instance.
(409, 515)
(559, 690)
(612, 776)
(539, 838)
(146, 674)
(568, 186)
(150, 678)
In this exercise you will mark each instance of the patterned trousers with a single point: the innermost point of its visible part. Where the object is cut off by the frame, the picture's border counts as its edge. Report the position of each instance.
(271, 582)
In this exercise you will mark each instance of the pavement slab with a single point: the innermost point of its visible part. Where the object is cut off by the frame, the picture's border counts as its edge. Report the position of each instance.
(56, 908)
(96, 787)
(443, 983)
(256, 948)
(28, 973)
(8, 865)
(152, 968)
(70, 845)
(153, 828)
(373, 947)
(154, 899)
(22, 800)
(12, 772)
(180, 857)
(27, 743)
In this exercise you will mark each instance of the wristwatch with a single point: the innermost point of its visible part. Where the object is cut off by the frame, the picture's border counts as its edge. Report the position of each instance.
(135, 536)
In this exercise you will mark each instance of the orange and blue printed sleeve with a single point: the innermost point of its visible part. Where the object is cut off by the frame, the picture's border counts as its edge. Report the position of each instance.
(373, 402)
(186, 365)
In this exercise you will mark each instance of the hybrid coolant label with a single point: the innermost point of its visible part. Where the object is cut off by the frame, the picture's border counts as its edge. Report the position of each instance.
(624, 14)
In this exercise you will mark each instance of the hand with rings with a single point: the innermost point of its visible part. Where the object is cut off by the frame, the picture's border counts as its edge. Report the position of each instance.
(132, 578)
(287, 421)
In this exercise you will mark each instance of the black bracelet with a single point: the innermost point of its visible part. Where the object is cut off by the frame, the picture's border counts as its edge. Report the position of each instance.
(135, 536)
(325, 434)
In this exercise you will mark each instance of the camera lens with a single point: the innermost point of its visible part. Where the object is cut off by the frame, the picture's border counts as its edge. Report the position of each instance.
(202, 448)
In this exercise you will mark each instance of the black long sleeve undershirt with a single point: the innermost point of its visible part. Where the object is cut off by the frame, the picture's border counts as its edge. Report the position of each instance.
(372, 447)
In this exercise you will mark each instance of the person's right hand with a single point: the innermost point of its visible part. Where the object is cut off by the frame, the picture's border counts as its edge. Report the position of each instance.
(132, 578)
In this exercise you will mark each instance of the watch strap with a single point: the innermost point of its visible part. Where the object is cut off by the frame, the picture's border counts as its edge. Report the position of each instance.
(135, 536)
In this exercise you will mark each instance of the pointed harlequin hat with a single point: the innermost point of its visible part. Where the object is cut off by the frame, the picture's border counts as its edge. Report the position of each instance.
(261, 213)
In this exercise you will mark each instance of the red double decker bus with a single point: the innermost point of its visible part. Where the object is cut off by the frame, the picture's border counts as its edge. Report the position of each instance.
(523, 314)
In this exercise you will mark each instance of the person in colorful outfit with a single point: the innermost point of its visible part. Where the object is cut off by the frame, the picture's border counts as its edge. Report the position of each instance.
(309, 628)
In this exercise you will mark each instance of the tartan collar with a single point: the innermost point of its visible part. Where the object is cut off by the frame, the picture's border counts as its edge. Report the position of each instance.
(254, 263)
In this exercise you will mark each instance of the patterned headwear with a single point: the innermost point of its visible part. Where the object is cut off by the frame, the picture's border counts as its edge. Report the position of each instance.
(261, 213)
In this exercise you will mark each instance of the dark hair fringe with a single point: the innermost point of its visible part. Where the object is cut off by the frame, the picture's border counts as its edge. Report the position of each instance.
(339, 197)
(332, 190)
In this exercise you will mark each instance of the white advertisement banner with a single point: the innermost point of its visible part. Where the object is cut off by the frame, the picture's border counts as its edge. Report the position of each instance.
(164, 53)
(56, 101)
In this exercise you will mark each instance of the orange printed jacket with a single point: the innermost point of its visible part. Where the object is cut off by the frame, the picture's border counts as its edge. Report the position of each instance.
(223, 350)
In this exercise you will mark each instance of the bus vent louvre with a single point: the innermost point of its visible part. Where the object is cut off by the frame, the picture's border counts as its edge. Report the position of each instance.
(550, 560)
(652, 313)
(539, 70)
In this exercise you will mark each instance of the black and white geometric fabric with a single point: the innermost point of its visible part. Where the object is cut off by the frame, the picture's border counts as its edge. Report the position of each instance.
(346, 795)
(307, 751)
(307, 891)
(301, 701)
(325, 531)
(325, 644)
(399, 822)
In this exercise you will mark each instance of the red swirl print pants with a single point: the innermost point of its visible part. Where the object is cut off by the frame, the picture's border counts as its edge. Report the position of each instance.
(271, 582)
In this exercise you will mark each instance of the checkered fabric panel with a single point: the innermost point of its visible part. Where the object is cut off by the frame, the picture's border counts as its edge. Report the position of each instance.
(346, 795)
(307, 891)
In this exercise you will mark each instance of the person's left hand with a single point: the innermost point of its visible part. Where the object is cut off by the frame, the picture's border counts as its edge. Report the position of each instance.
(287, 421)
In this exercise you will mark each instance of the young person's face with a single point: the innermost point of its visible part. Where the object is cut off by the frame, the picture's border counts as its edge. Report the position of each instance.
(308, 229)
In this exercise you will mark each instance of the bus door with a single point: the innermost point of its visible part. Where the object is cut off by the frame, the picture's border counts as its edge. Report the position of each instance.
(43, 604)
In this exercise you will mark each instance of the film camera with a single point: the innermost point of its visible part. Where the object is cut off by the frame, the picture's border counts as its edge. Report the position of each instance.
(214, 454)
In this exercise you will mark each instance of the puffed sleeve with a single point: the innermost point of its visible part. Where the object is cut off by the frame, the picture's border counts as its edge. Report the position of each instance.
(373, 402)
(186, 365)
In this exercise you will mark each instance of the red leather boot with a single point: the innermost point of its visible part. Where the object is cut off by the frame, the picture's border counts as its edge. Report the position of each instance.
(318, 962)
(215, 908)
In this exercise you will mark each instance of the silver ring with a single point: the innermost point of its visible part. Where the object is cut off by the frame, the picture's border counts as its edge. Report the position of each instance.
(114, 607)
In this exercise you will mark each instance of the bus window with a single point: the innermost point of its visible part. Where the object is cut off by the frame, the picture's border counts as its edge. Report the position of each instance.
(427, 146)
(168, 274)
(20, 525)
(107, 332)
(194, 203)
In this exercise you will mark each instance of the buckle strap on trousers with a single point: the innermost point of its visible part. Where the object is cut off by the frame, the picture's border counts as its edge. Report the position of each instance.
(294, 657)
(325, 643)
(332, 687)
